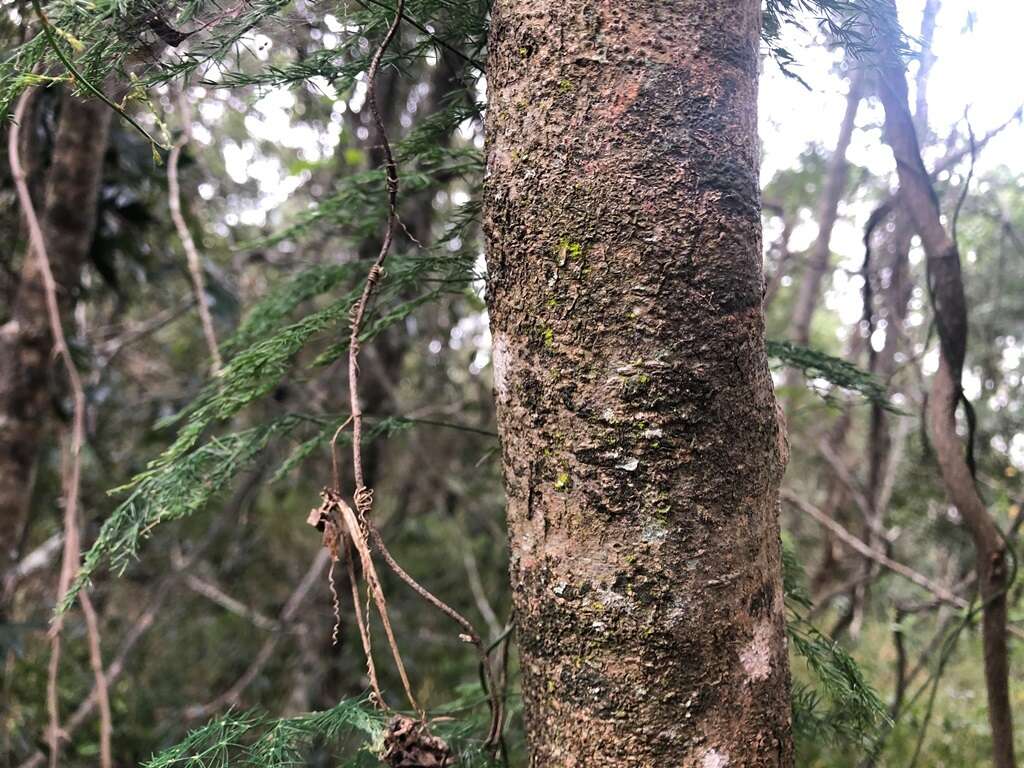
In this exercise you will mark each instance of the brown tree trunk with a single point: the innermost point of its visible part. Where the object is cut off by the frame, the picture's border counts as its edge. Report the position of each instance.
(69, 220)
(947, 292)
(641, 444)
(820, 255)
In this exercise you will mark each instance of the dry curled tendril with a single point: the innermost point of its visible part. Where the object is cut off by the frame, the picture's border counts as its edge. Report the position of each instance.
(351, 534)
(408, 744)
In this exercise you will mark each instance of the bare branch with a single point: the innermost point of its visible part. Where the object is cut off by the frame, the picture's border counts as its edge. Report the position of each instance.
(861, 548)
(266, 652)
(191, 253)
(216, 595)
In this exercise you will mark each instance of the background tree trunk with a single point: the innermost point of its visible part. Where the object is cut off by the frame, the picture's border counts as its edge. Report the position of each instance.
(68, 218)
(641, 444)
(819, 257)
(945, 283)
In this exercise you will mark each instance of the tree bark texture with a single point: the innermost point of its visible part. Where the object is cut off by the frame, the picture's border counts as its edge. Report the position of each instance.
(642, 446)
(68, 218)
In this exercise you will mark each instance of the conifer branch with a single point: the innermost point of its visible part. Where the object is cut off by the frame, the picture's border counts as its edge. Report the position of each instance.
(51, 39)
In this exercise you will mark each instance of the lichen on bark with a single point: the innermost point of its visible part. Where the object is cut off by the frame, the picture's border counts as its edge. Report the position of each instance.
(624, 289)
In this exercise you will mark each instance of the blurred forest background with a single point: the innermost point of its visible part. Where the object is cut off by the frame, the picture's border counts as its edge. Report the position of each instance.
(275, 178)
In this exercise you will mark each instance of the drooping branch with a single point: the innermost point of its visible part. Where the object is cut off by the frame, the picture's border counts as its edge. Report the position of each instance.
(291, 607)
(357, 530)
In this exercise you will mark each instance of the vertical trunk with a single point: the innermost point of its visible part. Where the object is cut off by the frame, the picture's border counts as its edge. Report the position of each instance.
(68, 219)
(641, 444)
(894, 242)
(947, 292)
(820, 255)
(925, 63)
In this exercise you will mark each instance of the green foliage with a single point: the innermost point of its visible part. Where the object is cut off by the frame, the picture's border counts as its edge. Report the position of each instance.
(256, 369)
(172, 489)
(183, 479)
(118, 36)
(352, 733)
(100, 38)
(860, 26)
(267, 316)
(837, 372)
(380, 429)
(841, 707)
(253, 739)
(358, 204)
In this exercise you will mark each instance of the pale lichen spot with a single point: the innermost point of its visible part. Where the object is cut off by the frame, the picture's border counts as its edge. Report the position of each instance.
(757, 656)
(715, 759)
(499, 364)
(629, 464)
(653, 530)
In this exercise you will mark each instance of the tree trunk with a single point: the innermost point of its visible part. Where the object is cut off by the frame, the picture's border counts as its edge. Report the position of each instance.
(68, 219)
(947, 292)
(820, 255)
(641, 444)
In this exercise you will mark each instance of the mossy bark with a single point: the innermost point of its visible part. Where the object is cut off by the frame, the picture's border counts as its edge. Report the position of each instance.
(641, 441)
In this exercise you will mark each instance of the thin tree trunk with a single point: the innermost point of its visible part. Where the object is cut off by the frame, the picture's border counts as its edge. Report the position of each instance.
(820, 255)
(68, 220)
(894, 245)
(925, 63)
(642, 448)
(947, 291)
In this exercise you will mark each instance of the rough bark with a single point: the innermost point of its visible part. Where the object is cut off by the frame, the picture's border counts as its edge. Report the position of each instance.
(68, 220)
(820, 254)
(642, 448)
(947, 293)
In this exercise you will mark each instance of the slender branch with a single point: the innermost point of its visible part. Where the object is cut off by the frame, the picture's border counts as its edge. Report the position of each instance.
(863, 549)
(36, 560)
(363, 627)
(476, 586)
(215, 594)
(967, 182)
(266, 652)
(361, 529)
(994, 561)
(359, 540)
(71, 481)
(154, 605)
(92, 624)
(376, 270)
(112, 673)
(195, 268)
(479, 65)
(113, 347)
